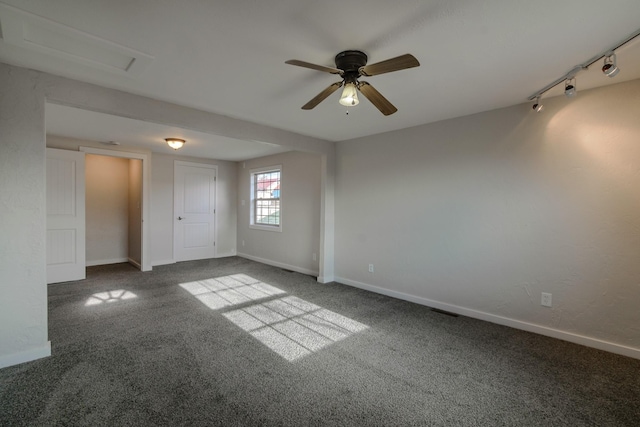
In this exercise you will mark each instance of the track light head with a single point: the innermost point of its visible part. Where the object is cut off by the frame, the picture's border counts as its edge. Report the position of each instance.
(570, 88)
(610, 67)
(537, 106)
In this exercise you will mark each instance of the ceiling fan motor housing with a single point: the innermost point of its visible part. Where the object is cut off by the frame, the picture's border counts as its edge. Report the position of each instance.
(350, 61)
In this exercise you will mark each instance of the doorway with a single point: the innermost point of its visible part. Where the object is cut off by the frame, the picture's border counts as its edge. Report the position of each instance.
(113, 210)
(118, 222)
(73, 242)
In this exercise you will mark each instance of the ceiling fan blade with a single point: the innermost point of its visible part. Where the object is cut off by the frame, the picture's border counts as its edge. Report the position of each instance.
(377, 99)
(321, 96)
(401, 62)
(314, 66)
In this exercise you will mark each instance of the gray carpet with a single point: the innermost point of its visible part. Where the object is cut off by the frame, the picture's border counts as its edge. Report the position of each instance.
(263, 346)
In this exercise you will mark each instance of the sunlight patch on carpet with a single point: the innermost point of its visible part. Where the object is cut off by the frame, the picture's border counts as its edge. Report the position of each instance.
(109, 297)
(293, 327)
(231, 290)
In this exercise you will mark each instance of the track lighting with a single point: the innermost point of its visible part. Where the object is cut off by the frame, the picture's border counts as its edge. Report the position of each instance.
(610, 67)
(570, 87)
(537, 106)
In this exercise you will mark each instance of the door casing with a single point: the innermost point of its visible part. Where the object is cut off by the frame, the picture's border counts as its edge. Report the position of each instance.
(146, 234)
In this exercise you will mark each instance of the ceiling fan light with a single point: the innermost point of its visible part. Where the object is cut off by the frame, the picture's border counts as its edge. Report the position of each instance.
(610, 67)
(349, 96)
(175, 143)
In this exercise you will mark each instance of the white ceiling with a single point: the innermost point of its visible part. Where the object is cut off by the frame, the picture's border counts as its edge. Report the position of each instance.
(228, 56)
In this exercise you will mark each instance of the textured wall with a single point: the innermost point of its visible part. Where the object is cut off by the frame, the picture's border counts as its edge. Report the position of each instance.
(294, 247)
(23, 290)
(481, 214)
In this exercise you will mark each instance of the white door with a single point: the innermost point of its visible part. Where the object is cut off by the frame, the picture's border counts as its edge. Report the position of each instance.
(194, 198)
(65, 216)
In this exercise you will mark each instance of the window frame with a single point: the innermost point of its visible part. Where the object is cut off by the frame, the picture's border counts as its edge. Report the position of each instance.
(253, 199)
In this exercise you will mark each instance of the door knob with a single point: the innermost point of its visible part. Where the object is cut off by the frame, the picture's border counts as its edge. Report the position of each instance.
(180, 218)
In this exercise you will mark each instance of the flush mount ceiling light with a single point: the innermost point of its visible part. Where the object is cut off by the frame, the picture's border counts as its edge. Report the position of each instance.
(537, 106)
(610, 67)
(175, 143)
(570, 87)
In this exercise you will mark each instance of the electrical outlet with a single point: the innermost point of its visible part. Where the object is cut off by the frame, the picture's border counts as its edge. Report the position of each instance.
(370, 268)
(315, 257)
(546, 299)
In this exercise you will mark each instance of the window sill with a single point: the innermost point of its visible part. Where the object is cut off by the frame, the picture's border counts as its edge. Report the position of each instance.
(277, 229)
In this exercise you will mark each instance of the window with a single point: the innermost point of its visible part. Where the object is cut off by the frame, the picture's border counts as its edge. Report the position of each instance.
(266, 199)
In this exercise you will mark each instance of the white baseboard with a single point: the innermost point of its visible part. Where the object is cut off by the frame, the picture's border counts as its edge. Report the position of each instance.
(162, 262)
(135, 263)
(26, 355)
(106, 261)
(226, 254)
(513, 323)
(173, 261)
(279, 264)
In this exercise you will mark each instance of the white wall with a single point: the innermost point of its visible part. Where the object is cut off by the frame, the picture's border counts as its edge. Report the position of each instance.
(479, 215)
(23, 289)
(107, 209)
(294, 247)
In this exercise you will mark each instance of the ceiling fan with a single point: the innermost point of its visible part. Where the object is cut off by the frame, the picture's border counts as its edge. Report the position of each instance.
(351, 65)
